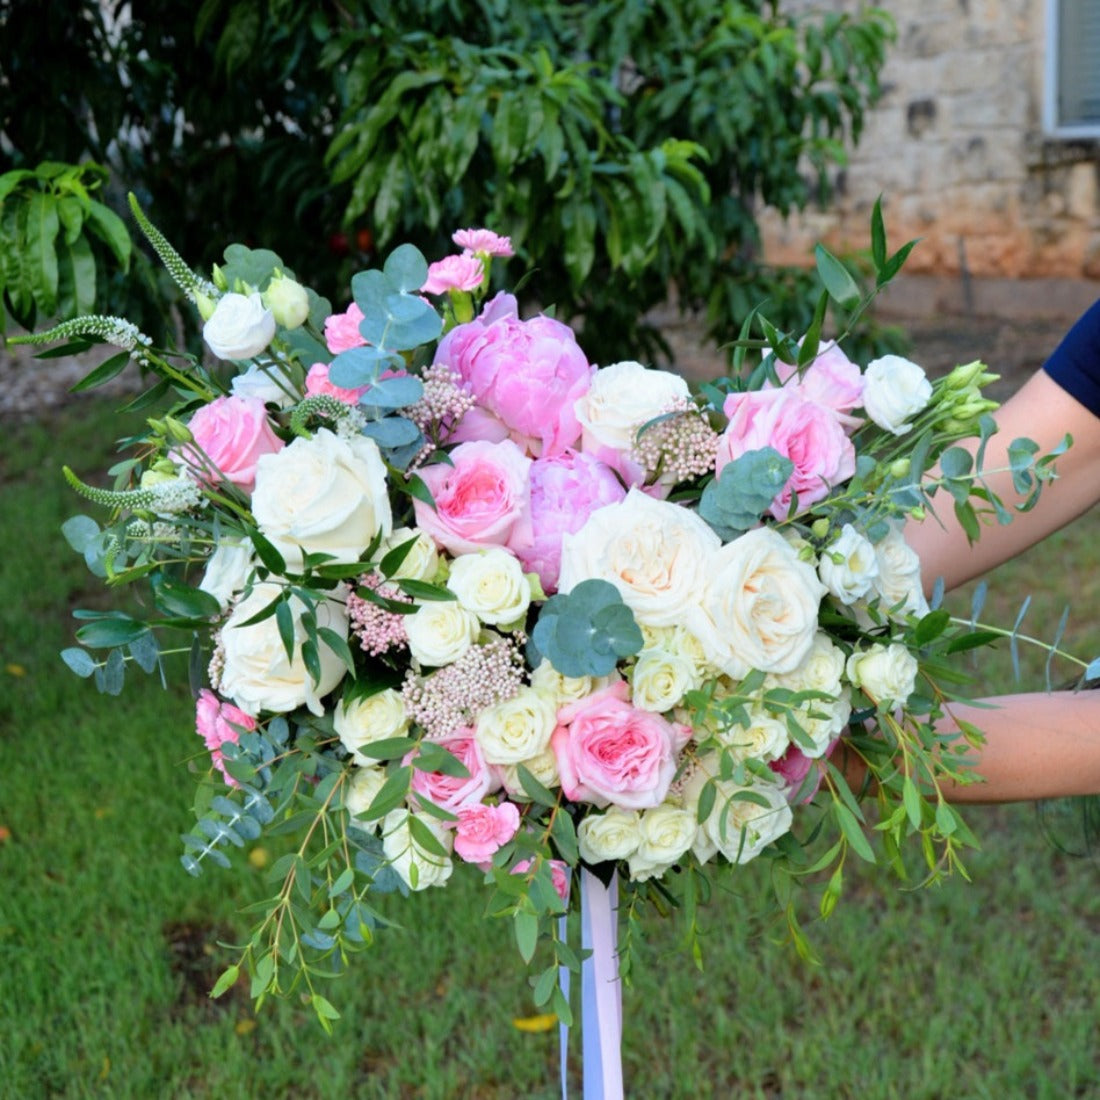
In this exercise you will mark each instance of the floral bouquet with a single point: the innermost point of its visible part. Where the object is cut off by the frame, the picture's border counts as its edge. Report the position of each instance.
(460, 600)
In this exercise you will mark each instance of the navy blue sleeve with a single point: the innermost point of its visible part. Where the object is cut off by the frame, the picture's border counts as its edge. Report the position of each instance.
(1075, 364)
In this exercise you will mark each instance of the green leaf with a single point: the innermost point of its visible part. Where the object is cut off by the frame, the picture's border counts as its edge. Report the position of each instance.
(80, 661)
(227, 979)
(878, 237)
(853, 833)
(41, 252)
(526, 927)
(837, 280)
(109, 632)
(110, 228)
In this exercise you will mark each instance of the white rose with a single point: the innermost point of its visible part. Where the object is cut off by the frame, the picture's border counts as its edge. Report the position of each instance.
(543, 767)
(267, 383)
(257, 675)
(418, 868)
(658, 555)
(288, 301)
(736, 827)
(491, 584)
(567, 689)
(758, 607)
(623, 397)
(614, 835)
(228, 569)
(894, 389)
(373, 718)
(516, 729)
(898, 581)
(240, 327)
(421, 561)
(820, 670)
(661, 679)
(764, 738)
(323, 495)
(667, 832)
(362, 789)
(439, 633)
(848, 566)
(823, 722)
(888, 674)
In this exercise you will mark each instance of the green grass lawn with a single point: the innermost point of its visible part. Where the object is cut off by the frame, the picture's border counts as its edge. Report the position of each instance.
(107, 948)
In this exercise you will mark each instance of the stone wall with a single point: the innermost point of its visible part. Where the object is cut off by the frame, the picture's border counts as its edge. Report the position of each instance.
(957, 151)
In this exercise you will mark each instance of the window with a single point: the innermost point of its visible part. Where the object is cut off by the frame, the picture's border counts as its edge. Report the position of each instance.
(1072, 101)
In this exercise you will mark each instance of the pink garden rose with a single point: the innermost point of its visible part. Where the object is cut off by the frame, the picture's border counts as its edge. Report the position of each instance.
(832, 379)
(482, 829)
(464, 272)
(217, 722)
(807, 433)
(317, 383)
(233, 433)
(449, 791)
(565, 490)
(483, 240)
(483, 499)
(342, 330)
(559, 874)
(528, 374)
(608, 752)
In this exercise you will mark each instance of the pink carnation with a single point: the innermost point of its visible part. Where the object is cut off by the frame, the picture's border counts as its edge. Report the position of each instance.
(559, 872)
(609, 752)
(464, 272)
(342, 330)
(527, 374)
(807, 433)
(483, 829)
(317, 382)
(483, 240)
(449, 791)
(794, 765)
(232, 434)
(482, 498)
(217, 722)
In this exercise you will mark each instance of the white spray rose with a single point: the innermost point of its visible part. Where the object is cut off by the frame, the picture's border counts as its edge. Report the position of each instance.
(517, 728)
(658, 555)
(898, 580)
(848, 565)
(543, 767)
(666, 834)
(609, 836)
(267, 383)
(362, 789)
(228, 569)
(439, 633)
(736, 827)
(373, 718)
(491, 584)
(888, 674)
(758, 607)
(257, 675)
(240, 327)
(660, 679)
(894, 389)
(764, 738)
(322, 495)
(823, 722)
(820, 670)
(288, 301)
(418, 868)
(421, 561)
(566, 689)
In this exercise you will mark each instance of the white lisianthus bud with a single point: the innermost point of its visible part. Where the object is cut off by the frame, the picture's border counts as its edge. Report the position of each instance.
(848, 566)
(609, 836)
(894, 389)
(888, 674)
(240, 327)
(288, 301)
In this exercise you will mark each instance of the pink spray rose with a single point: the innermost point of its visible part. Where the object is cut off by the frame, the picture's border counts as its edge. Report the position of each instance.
(608, 752)
(559, 874)
(482, 829)
(463, 272)
(451, 791)
(483, 240)
(807, 433)
(483, 499)
(342, 330)
(216, 723)
(317, 382)
(832, 379)
(233, 433)
(565, 490)
(528, 374)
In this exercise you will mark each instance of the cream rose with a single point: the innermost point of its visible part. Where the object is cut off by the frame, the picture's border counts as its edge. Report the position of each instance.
(257, 674)
(373, 718)
(566, 689)
(324, 495)
(820, 670)
(240, 327)
(610, 836)
(227, 570)
(898, 580)
(362, 789)
(737, 828)
(439, 633)
(491, 584)
(758, 607)
(660, 679)
(658, 555)
(543, 767)
(421, 561)
(666, 834)
(417, 868)
(764, 738)
(888, 674)
(516, 729)
(894, 389)
(848, 565)
(823, 722)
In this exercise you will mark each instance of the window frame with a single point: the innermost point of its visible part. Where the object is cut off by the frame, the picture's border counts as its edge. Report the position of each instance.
(1052, 65)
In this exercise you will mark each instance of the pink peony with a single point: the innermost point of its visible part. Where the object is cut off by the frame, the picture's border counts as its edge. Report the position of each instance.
(342, 330)
(482, 829)
(482, 499)
(807, 433)
(317, 383)
(559, 873)
(528, 374)
(832, 379)
(450, 791)
(464, 272)
(217, 722)
(483, 240)
(233, 433)
(608, 752)
(565, 490)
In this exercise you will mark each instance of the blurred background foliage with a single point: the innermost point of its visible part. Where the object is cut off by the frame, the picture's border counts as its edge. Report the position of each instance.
(625, 145)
